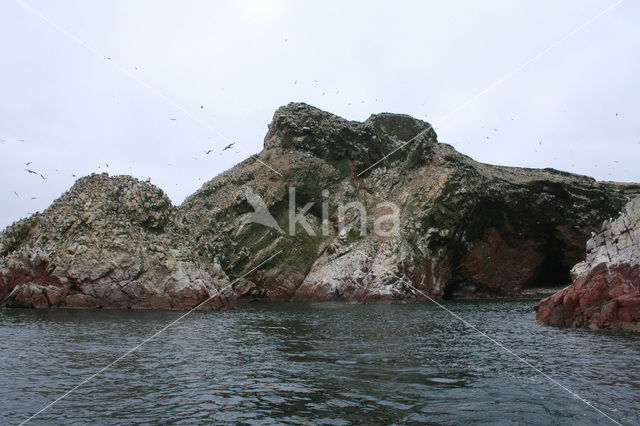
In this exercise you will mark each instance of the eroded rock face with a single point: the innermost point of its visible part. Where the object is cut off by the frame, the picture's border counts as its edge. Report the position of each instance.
(109, 242)
(606, 286)
(465, 229)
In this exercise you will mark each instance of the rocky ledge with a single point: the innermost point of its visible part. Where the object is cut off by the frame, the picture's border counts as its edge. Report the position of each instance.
(462, 228)
(606, 287)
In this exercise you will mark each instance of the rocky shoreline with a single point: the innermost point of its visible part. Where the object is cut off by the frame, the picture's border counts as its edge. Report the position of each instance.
(465, 229)
(109, 242)
(606, 286)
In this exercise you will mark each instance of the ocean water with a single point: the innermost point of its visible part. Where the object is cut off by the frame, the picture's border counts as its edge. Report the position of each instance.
(314, 363)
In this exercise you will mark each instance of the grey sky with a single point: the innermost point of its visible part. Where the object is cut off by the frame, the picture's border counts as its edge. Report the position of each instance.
(573, 109)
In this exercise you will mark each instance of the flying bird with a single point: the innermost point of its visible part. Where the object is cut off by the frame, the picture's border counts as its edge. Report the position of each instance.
(43, 178)
(172, 119)
(31, 171)
(201, 106)
(16, 194)
(26, 164)
(228, 146)
(33, 198)
(208, 152)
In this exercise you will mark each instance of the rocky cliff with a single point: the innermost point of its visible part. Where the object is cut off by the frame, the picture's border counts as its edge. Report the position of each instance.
(451, 226)
(606, 286)
(466, 228)
(109, 242)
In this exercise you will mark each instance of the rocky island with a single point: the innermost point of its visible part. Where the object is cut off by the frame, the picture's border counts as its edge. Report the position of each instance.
(464, 229)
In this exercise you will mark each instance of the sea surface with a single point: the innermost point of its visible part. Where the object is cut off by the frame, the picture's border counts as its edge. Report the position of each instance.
(315, 363)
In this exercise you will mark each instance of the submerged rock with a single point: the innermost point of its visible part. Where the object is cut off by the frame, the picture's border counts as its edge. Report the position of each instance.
(450, 226)
(606, 287)
(109, 242)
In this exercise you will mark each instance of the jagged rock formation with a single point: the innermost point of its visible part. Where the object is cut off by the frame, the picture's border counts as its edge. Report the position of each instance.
(464, 228)
(109, 242)
(606, 287)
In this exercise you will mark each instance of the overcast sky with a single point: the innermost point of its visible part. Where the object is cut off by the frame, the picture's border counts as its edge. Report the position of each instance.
(69, 110)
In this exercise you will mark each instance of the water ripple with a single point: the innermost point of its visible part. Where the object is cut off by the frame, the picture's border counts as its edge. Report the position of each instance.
(314, 363)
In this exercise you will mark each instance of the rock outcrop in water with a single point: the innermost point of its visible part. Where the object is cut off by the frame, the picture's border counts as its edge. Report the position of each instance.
(606, 287)
(109, 242)
(464, 229)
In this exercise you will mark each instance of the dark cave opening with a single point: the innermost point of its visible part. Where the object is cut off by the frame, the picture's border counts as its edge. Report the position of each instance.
(554, 271)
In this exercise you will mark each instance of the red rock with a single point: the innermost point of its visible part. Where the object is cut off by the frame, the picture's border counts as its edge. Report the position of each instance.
(606, 287)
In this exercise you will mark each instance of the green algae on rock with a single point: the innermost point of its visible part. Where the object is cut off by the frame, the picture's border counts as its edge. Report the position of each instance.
(465, 229)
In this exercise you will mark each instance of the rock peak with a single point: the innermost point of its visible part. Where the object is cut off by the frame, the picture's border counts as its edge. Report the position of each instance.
(302, 127)
(464, 229)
